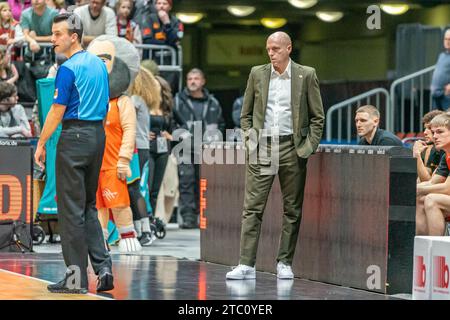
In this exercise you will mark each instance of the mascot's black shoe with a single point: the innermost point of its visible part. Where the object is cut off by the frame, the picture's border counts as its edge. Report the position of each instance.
(105, 280)
(64, 287)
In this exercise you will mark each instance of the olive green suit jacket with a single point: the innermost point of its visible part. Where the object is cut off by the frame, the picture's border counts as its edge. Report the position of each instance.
(306, 106)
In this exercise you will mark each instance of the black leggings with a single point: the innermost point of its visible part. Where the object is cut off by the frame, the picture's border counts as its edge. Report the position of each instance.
(137, 202)
(157, 167)
(144, 154)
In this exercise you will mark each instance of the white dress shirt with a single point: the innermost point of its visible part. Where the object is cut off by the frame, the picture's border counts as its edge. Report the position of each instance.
(278, 111)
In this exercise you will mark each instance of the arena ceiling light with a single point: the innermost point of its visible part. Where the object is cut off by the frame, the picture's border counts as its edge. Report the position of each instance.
(394, 9)
(189, 18)
(241, 11)
(273, 23)
(303, 4)
(329, 16)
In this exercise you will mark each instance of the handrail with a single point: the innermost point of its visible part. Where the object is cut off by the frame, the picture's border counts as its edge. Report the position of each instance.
(43, 45)
(347, 103)
(162, 49)
(180, 63)
(402, 80)
(413, 75)
(390, 103)
(157, 47)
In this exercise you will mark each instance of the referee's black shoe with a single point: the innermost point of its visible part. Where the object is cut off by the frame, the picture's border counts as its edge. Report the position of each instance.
(64, 286)
(105, 280)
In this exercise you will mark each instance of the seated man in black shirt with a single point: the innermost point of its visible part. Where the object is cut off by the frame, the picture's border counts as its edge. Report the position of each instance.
(433, 196)
(367, 120)
(428, 157)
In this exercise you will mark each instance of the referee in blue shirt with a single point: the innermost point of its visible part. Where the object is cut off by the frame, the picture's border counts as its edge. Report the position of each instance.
(80, 102)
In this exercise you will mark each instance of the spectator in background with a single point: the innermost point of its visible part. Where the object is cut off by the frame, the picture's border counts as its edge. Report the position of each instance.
(112, 4)
(79, 3)
(440, 83)
(13, 119)
(199, 108)
(236, 115)
(163, 121)
(58, 5)
(97, 19)
(17, 7)
(428, 157)
(37, 23)
(10, 29)
(145, 95)
(367, 120)
(127, 28)
(161, 28)
(141, 12)
(433, 197)
(8, 71)
(151, 66)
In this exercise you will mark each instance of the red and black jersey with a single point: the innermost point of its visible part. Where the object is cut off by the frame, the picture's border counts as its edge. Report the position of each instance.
(155, 32)
(11, 30)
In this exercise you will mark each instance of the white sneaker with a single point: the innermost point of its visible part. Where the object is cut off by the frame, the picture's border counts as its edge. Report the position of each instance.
(129, 245)
(242, 272)
(284, 271)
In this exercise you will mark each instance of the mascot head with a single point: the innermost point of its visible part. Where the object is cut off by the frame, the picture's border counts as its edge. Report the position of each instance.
(122, 61)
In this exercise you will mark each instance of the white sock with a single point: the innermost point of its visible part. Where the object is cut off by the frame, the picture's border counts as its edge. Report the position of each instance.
(137, 226)
(145, 225)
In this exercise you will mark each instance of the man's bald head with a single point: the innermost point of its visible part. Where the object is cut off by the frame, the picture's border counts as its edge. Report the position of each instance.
(447, 40)
(279, 47)
(281, 37)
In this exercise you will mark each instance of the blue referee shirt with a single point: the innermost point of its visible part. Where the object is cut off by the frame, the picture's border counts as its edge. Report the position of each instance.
(82, 86)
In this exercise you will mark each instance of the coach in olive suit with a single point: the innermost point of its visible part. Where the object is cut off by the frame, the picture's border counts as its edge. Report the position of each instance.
(282, 97)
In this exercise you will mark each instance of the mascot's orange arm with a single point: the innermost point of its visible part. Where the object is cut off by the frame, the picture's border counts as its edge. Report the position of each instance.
(127, 115)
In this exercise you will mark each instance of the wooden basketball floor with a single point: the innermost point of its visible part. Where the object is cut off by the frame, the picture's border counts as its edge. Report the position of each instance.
(20, 287)
(144, 277)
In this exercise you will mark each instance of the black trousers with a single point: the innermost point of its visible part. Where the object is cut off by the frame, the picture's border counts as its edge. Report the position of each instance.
(78, 160)
(189, 187)
(144, 154)
(156, 166)
(137, 202)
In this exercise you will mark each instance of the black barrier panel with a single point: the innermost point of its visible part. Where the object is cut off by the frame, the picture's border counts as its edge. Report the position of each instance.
(15, 193)
(358, 222)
